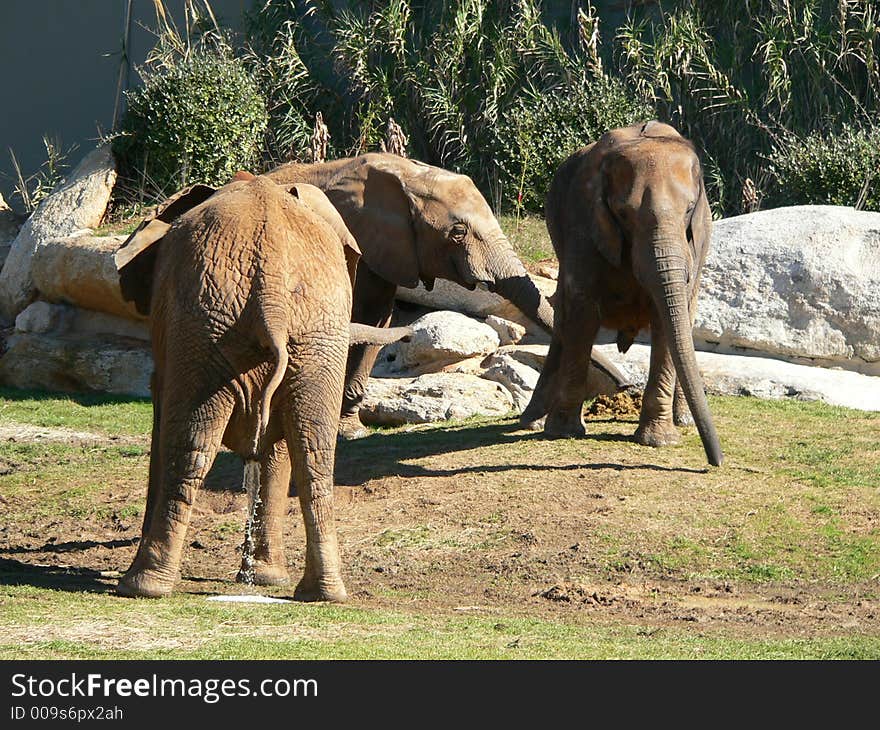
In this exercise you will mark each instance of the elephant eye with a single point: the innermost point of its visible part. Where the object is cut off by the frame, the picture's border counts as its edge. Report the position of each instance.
(458, 232)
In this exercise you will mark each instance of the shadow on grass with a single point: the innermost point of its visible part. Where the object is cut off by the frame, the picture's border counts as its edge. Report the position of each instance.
(70, 547)
(82, 399)
(381, 455)
(58, 578)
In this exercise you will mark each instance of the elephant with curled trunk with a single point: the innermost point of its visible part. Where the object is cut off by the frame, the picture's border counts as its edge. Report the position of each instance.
(416, 222)
(248, 292)
(630, 223)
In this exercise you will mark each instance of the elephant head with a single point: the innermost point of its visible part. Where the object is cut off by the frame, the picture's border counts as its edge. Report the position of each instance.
(416, 222)
(650, 214)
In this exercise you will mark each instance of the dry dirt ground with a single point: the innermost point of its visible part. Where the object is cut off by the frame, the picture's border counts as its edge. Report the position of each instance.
(480, 517)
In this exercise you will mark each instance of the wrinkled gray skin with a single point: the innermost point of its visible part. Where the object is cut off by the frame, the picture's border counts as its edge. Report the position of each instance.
(415, 222)
(630, 223)
(248, 290)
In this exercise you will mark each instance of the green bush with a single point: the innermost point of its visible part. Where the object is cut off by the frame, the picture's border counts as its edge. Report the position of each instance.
(199, 117)
(835, 169)
(540, 130)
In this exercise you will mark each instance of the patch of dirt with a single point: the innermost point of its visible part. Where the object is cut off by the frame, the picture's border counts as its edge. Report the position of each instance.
(26, 433)
(624, 404)
(483, 519)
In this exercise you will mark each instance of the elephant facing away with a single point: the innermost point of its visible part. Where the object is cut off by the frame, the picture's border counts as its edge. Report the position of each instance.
(248, 290)
(630, 223)
(416, 222)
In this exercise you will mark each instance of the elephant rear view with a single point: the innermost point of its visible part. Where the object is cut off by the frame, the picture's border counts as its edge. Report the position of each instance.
(630, 223)
(248, 289)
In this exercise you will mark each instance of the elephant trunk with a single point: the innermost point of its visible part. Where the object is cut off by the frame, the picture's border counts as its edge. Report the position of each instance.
(671, 299)
(509, 278)
(514, 284)
(362, 334)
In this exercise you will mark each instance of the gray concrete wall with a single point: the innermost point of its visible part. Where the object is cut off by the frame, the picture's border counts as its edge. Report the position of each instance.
(59, 65)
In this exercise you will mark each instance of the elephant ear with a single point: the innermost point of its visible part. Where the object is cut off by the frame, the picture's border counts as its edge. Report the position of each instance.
(320, 204)
(378, 209)
(607, 233)
(700, 229)
(136, 258)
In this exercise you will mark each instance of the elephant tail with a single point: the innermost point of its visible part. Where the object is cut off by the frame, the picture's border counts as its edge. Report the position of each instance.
(277, 343)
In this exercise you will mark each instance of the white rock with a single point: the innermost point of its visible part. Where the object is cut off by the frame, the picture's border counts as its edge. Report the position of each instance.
(43, 317)
(51, 362)
(80, 270)
(39, 318)
(519, 379)
(800, 283)
(432, 397)
(531, 355)
(440, 338)
(764, 378)
(79, 203)
(508, 332)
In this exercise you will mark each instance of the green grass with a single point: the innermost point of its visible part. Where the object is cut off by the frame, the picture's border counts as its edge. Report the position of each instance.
(105, 414)
(794, 508)
(529, 237)
(192, 628)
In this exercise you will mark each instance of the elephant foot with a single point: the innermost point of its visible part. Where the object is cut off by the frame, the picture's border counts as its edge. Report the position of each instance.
(310, 590)
(351, 428)
(536, 425)
(144, 584)
(562, 426)
(656, 433)
(264, 574)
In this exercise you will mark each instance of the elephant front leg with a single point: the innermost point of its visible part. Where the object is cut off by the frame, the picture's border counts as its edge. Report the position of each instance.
(269, 564)
(532, 417)
(681, 412)
(575, 332)
(187, 449)
(372, 304)
(361, 359)
(656, 427)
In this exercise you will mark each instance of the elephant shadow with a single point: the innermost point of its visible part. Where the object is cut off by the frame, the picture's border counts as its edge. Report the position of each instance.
(54, 577)
(384, 454)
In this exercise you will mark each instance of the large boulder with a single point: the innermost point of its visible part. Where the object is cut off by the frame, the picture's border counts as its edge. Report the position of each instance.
(518, 378)
(508, 332)
(80, 270)
(61, 319)
(9, 228)
(432, 397)
(763, 377)
(441, 338)
(800, 283)
(79, 203)
(77, 364)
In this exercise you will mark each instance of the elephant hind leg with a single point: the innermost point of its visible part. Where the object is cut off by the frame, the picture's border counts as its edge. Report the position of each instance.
(153, 486)
(270, 566)
(188, 444)
(310, 422)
